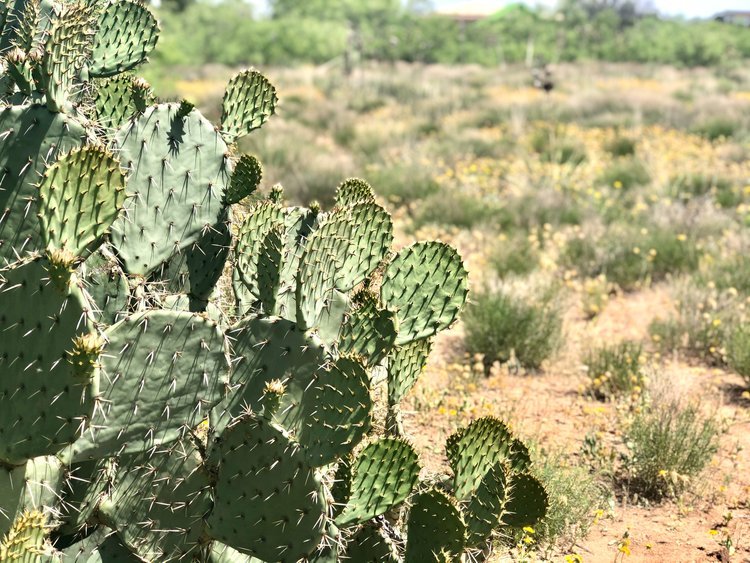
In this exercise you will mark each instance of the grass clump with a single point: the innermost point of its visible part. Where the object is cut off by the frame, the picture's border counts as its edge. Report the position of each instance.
(620, 147)
(716, 129)
(517, 256)
(556, 149)
(668, 444)
(501, 326)
(738, 351)
(456, 209)
(625, 174)
(616, 371)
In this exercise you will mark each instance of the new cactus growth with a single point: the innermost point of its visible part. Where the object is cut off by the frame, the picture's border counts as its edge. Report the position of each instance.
(139, 420)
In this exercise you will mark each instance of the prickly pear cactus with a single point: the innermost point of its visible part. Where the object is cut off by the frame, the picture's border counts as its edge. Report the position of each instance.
(143, 419)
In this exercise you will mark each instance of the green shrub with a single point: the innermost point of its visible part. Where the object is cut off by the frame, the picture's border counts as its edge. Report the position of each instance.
(731, 273)
(726, 194)
(616, 371)
(500, 326)
(716, 128)
(556, 149)
(403, 182)
(456, 209)
(515, 256)
(668, 444)
(625, 174)
(621, 146)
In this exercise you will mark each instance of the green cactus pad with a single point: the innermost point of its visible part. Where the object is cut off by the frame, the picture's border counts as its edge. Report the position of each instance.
(79, 198)
(67, 47)
(26, 541)
(353, 192)
(85, 485)
(426, 284)
(158, 502)
(162, 371)
(341, 489)
(33, 486)
(368, 332)
(472, 451)
(126, 34)
(268, 500)
(262, 219)
(45, 399)
(405, 364)
(368, 545)
(206, 258)
(527, 501)
(32, 137)
(383, 475)
(119, 98)
(222, 553)
(249, 100)
(270, 258)
(300, 222)
(107, 286)
(178, 172)
(434, 528)
(245, 179)
(486, 504)
(339, 255)
(268, 348)
(328, 411)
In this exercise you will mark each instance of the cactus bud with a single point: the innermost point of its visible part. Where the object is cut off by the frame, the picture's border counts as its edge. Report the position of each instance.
(184, 109)
(277, 194)
(16, 56)
(272, 394)
(84, 357)
(60, 269)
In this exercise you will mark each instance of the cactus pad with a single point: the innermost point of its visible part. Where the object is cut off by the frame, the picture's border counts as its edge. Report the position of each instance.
(118, 98)
(161, 371)
(527, 501)
(485, 506)
(79, 198)
(32, 137)
(178, 171)
(102, 546)
(158, 502)
(107, 286)
(368, 332)
(328, 411)
(405, 364)
(368, 545)
(245, 179)
(354, 191)
(474, 450)
(383, 475)
(434, 528)
(268, 500)
(127, 33)
(26, 541)
(426, 284)
(249, 100)
(45, 400)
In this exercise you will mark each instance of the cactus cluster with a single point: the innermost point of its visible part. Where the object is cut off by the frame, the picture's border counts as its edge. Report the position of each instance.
(139, 421)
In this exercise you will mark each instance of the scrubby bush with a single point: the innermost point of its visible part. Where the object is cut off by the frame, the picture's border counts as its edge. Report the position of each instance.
(621, 146)
(625, 174)
(616, 370)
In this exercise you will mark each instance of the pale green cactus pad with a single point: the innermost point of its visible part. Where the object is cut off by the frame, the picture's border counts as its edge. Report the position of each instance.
(368, 331)
(162, 371)
(245, 179)
(126, 34)
(426, 284)
(179, 168)
(405, 364)
(268, 501)
(48, 381)
(79, 198)
(434, 528)
(249, 100)
(383, 475)
(354, 191)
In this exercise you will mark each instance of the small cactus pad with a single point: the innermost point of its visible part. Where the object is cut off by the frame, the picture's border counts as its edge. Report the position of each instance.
(353, 192)
(300, 222)
(434, 527)
(473, 450)
(119, 98)
(206, 258)
(527, 501)
(369, 331)
(269, 348)
(161, 371)
(368, 545)
(178, 172)
(328, 411)
(107, 286)
(249, 100)
(483, 510)
(32, 137)
(405, 364)
(245, 179)
(383, 475)
(79, 198)
(33, 486)
(26, 541)
(127, 33)
(158, 502)
(339, 255)
(268, 501)
(269, 268)
(426, 284)
(45, 398)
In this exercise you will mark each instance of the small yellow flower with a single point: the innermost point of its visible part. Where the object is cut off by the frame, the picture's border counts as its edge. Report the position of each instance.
(529, 530)
(716, 322)
(713, 532)
(617, 184)
(682, 237)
